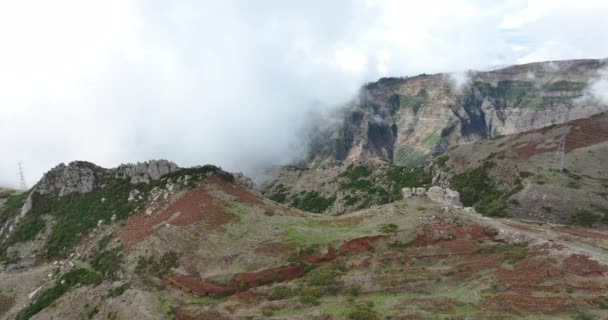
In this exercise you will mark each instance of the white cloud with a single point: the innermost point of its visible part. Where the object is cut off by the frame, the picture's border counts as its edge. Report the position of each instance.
(598, 88)
(234, 82)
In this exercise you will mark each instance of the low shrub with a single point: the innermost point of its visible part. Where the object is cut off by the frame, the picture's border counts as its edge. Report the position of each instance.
(389, 228)
(364, 312)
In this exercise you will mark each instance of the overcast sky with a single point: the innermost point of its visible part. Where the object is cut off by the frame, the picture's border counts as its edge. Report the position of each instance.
(233, 82)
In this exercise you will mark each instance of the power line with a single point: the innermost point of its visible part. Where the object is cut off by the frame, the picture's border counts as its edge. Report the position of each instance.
(22, 183)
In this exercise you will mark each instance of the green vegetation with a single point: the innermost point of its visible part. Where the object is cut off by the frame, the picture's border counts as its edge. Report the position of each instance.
(13, 203)
(269, 311)
(477, 189)
(118, 291)
(364, 312)
(513, 252)
(68, 281)
(324, 276)
(389, 228)
(310, 295)
(313, 202)
(76, 214)
(108, 263)
(281, 292)
(165, 306)
(280, 194)
(409, 101)
(157, 268)
(27, 229)
(319, 281)
(402, 176)
(523, 94)
(564, 85)
(441, 161)
(382, 186)
(584, 218)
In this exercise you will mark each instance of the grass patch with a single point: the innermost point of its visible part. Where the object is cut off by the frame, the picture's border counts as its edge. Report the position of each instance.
(312, 201)
(280, 293)
(68, 281)
(513, 252)
(364, 312)
(389, 228)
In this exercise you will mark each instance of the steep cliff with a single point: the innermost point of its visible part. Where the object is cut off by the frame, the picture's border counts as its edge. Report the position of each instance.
(406, 120)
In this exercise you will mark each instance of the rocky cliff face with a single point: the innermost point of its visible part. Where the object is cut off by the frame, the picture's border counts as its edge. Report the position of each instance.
(84, 177)
(405, 120)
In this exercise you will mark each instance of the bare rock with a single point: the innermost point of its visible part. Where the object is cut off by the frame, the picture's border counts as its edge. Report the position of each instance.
(407, 193)
(144, 172)
(78, 176)
(444, 196)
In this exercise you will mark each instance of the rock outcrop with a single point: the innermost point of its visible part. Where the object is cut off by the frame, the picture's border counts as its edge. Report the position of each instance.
(144, 172)
(444, 196)
(78, 176)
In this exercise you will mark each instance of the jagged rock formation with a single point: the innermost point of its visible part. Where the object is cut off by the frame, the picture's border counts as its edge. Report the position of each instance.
(78, 176)
(144, 172)
(404, 120)
(84, 177)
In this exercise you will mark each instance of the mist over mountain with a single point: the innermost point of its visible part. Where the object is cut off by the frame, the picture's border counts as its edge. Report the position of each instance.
(201, 82)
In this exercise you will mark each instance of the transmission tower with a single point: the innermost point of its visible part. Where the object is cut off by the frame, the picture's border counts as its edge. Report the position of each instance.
(22, 183)
(560, 154)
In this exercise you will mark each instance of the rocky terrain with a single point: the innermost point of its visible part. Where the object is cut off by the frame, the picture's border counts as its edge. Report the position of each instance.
(427, 200)
(195, 244)
(406, 120)
(357, 165)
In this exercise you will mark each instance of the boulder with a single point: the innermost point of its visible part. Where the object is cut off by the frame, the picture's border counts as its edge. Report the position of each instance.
(420, 191)
(406, 192)
(444, 196)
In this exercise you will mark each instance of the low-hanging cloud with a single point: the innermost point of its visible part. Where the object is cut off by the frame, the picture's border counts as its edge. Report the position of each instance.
(598, 88)
(235, 83)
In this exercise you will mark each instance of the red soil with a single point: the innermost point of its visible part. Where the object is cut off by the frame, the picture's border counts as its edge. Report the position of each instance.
(316, 258)
(266, 276)
(596, 284)
(360, 245)
(530, 274)
(582, 266)
(236, 191)
(196, 287)
(440, 231)
(582, 133)
(197, 205)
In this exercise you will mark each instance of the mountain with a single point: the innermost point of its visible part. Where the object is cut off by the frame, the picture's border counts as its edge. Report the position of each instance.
(512, 175)
(426, 200)
(393, 128)
(193, 243)
(406, 120)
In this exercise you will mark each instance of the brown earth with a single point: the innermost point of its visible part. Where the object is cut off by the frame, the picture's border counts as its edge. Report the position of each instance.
(196, 206)
(582, 133)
